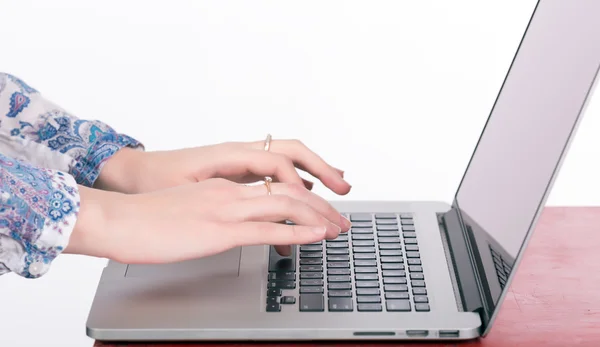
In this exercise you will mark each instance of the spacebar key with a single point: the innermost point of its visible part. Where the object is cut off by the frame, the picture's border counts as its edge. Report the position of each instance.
(312, 302)
(278, 263)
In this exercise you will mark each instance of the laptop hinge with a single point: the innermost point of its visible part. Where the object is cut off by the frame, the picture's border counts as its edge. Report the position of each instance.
(464, 270)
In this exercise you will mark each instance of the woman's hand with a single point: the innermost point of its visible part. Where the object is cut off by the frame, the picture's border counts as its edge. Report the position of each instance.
(199, 219)
(131, 171)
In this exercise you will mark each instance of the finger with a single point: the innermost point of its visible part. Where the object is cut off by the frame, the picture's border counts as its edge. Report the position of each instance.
(261, 164)
(265, 233)
(300, 193)
(307, 160)
(278, 208)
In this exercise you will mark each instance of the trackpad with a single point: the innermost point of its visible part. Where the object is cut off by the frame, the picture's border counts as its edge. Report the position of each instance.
(226, 264)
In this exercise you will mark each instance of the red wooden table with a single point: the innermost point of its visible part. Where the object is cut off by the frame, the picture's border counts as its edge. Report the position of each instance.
(554, 300)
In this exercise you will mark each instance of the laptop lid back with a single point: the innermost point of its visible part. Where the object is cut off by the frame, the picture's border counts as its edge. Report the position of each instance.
(524, 141)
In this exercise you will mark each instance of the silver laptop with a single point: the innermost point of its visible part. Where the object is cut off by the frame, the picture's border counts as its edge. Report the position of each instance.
(406, 270)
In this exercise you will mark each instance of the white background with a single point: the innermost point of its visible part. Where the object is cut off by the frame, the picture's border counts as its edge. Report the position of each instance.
(393, 92)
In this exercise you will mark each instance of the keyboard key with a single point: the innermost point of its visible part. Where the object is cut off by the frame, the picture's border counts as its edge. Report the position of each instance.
(417, 284)
(413, 255)
(397, 295)
(367, 284)
(340, 293)
(364, 256)
(414, 248)
(282, 276)
(395, 280)
(419, 291)
(398, 305)
(390, 246)
(363, 249)
(420, 299)
(365, 263)
(422, 307)
(340, 265)
(338, 258)
(386, 222)
(273, 307)
(414, 261)
(415, 268)
(361, 225)
(338, 279)
(362, 237)
(311, 248)
(407, 222)
(282, 284)
(340, 238)
(368, 299)
(311, 282)
(391, 259)
(288, 300)
(417, 276)
(408, 228)
(389, 240)
(337, 245)
(274, 292)
(392, 266)
(361, 231)
(410, 241)
(363, 243)
(361, 217)
(365, 270)
(406, 215)
(311, 275)
(312, 302)
(279, 263)
(395, 288)
(409, 234)
(337, 304)
(311, 268)
(337, 251)
(393, 273)
(272, 299)
(368, 291)
(366, 277)
(310, 261)
(337, 272)
(339, 286)
(369, 307)
(388, 233)
(390, 252)
(387, 228)
(385, 216)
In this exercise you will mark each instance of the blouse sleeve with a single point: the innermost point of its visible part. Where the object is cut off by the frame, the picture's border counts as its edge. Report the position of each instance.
(38, 211)
(35, 130)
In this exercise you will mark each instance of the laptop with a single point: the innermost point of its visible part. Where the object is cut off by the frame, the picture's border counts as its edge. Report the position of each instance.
(406, 270)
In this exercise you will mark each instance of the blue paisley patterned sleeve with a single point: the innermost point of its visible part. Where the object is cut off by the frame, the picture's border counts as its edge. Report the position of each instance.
(38, 211)
(37, 131)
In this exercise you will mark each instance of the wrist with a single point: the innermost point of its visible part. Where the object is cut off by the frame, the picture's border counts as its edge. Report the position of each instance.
(99, 215)
(121, 173)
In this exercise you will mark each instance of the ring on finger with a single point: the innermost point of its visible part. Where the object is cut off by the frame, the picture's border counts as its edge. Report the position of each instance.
(268, 181)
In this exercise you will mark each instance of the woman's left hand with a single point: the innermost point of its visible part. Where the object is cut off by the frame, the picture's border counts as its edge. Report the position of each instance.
(132, 171)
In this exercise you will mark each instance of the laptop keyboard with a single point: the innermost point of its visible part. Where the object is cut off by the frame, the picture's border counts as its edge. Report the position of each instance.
(502, 268)
(375, 267)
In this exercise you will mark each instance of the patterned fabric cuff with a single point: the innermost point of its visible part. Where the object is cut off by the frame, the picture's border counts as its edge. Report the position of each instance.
(38, 212)
(84, 145)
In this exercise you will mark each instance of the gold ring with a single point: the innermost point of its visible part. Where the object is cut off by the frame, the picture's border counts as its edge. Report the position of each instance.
(268, 181)
(268, 142)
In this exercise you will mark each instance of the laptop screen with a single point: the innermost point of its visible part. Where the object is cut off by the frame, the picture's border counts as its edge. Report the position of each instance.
(529, 128)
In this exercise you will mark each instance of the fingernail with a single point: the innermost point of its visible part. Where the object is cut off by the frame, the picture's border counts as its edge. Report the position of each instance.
(319, 230)
(346, 222)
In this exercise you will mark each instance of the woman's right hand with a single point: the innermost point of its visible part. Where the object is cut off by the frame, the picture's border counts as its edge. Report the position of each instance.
(198, 220)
